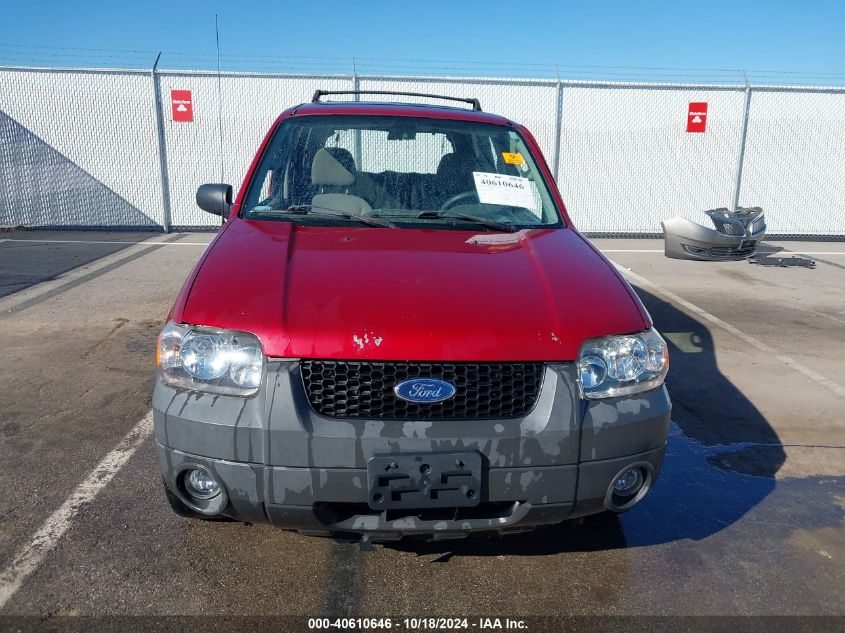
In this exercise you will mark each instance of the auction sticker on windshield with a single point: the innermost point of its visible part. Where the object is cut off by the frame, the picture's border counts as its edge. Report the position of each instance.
(511, 191)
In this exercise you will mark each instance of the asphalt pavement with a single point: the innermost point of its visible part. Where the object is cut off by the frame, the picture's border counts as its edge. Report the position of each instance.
(748, 517)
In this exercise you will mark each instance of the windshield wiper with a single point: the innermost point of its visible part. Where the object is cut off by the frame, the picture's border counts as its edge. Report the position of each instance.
(311, 209)
(446, 213)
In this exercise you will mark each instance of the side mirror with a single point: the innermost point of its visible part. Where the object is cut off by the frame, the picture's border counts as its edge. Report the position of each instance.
(215, 198)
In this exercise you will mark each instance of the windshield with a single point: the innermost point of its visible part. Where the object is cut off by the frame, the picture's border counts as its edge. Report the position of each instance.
(400, 171)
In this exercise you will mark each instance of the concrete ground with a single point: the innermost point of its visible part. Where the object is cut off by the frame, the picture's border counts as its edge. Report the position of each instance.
(748, 517)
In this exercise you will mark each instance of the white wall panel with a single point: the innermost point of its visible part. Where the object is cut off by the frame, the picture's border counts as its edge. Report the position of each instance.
(250, 105)
(627, 161)
(795, 161)
(78, 148)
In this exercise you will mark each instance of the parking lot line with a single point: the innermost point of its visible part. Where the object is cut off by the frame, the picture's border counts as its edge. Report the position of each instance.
(761, 252)
(46, 538)
(603, 250)
(52, 287)
(786, 360)
(16, 239)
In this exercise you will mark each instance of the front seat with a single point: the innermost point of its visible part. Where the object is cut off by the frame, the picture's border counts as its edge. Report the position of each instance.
(332, 173)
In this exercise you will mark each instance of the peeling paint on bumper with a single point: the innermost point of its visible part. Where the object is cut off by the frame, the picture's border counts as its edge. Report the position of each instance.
(281, 462)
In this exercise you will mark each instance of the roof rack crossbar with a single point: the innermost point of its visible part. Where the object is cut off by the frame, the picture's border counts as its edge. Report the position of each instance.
(476, 104)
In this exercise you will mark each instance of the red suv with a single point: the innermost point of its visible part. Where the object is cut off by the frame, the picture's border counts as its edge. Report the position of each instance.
(399, 331)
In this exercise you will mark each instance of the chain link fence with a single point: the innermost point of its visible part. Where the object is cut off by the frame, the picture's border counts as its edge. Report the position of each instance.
(78, 149)
(102, 148)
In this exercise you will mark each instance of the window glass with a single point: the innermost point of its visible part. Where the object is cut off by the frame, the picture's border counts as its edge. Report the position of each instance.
(399, 168)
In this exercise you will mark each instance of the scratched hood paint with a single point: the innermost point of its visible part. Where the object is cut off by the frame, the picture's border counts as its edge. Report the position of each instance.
(408, 294)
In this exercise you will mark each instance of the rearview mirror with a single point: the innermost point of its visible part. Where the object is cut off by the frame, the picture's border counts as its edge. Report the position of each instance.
(215, 198)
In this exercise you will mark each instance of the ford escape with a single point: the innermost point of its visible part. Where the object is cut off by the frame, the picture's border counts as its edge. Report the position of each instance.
(399, 331)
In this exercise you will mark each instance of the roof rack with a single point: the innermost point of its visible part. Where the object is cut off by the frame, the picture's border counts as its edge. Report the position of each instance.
(476, 104)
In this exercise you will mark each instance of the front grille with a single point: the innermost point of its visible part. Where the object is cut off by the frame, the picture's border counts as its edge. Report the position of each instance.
(353, 389)
(734, 228)
(724, 251)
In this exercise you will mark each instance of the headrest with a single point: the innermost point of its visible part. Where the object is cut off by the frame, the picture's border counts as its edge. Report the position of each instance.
(456, 166)
(333, 166)
(450, 165)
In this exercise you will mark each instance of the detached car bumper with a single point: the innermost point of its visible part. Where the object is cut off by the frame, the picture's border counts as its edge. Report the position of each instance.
(736, 235)
(277, 460)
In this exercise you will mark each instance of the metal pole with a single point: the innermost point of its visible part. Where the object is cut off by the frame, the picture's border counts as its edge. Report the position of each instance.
(162, 150)
(558, 127)
(356, 85)
(741, 157)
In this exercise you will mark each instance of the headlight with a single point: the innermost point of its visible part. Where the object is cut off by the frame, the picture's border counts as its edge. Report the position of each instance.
(622, 365)
(209, 359)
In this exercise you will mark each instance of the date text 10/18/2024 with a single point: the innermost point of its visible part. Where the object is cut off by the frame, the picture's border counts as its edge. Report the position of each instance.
(416, 624)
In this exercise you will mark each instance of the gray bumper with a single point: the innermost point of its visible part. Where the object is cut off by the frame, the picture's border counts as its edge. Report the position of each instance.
(736, 236)
(281, 462)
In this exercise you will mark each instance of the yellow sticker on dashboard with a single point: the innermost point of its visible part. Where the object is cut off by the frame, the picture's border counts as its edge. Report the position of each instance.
(513, 158)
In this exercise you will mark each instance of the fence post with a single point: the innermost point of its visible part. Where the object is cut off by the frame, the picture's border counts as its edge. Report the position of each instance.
(162, 150)
(356, 86)
(741, 158)
(558, 128)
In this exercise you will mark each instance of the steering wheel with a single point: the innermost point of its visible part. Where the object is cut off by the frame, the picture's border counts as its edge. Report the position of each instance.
(451, 202)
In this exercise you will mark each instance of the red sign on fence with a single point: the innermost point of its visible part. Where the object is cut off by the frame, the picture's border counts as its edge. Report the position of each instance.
(183, 108)
(697, 117)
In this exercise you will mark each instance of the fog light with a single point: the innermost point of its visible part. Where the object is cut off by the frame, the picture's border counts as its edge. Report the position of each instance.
(201, 484)
(629, 483)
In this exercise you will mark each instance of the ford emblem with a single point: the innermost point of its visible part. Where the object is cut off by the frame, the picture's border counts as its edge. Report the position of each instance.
(424, 390)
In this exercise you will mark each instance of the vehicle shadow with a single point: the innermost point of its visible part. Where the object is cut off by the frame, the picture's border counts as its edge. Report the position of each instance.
(47, 188)
(31, 258)
(721, 460)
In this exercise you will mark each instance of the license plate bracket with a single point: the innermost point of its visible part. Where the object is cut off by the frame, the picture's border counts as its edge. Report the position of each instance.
(424, 480)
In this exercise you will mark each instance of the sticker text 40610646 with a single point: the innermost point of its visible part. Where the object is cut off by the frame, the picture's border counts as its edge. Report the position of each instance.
(506, 190)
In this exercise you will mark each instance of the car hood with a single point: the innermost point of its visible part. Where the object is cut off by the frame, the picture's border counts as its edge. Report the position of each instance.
(410, 294)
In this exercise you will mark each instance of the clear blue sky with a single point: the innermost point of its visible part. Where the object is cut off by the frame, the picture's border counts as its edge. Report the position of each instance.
(797, 37)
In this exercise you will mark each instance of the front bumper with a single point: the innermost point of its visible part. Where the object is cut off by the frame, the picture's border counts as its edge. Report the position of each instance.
(279, 461)
(736, 236)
